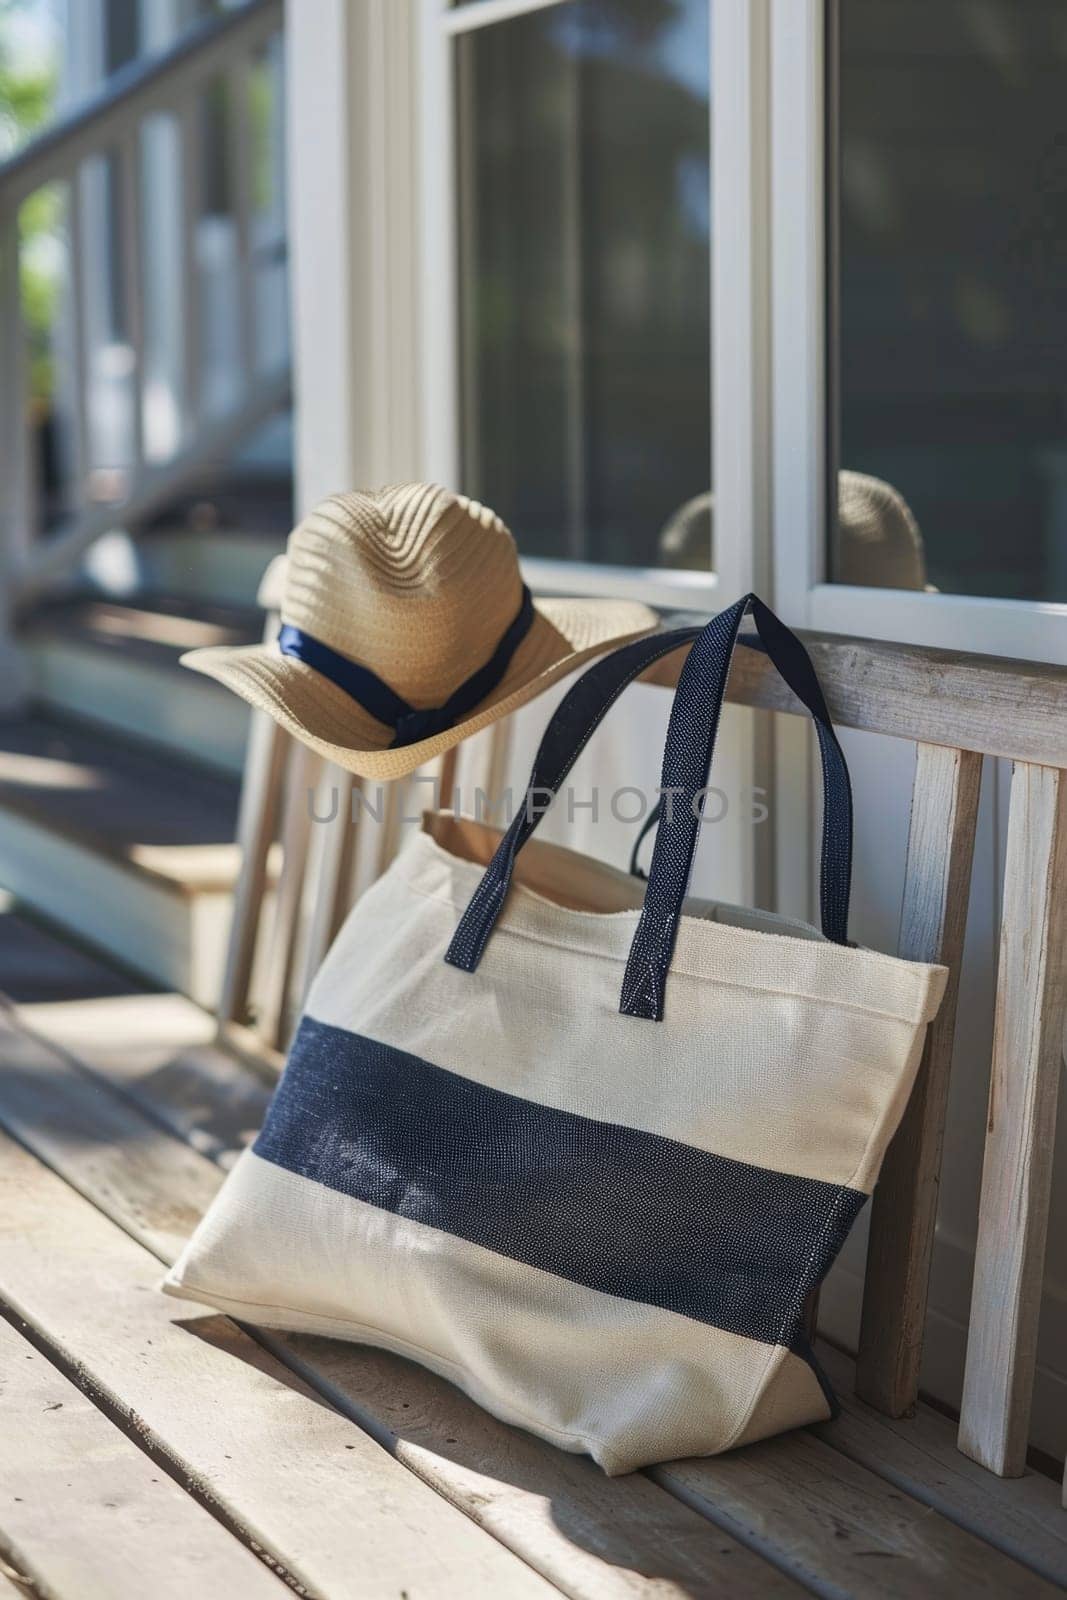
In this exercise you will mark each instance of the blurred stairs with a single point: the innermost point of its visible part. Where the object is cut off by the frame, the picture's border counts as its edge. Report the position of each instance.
(120, 781)
(146, 481)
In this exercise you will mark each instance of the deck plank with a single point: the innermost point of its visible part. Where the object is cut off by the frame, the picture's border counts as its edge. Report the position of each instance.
(159, 1051)
(1021, 1516)
(594, 1538)
(334, 1510)
(843, 1529)
(127, 1528)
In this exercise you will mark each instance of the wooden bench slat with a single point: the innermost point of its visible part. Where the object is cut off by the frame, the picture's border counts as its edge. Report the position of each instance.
(605, 1539)
(83, 1511)
(375, 838)
(257, 824)
(944, 813)
(481, 770)
(1024, 1086)
(1021, 1516)
(1015, 709)
(272, 1004)
(333, 885)
(334, 1510)
(446, 776)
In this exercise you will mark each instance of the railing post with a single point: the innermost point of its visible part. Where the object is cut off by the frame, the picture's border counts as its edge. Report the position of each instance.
(132, 266)
(933, 922)
(79, 351)
(239, 131)
(14, 461)
(1021, 1127)
(190, 156)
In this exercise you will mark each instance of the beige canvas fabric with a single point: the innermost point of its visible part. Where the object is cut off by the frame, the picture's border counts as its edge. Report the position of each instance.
(778, 1049)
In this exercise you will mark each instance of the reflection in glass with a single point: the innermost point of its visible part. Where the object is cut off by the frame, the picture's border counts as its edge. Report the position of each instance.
(953, 295)
(585, 276)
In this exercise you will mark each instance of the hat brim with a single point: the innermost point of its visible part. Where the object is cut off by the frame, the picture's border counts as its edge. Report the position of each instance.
(563, 635)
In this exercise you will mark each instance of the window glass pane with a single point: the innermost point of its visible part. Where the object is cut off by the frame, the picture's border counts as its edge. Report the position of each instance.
(953, 297)
(585, 278)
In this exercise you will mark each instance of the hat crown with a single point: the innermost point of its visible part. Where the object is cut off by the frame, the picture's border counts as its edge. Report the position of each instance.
(413, 581)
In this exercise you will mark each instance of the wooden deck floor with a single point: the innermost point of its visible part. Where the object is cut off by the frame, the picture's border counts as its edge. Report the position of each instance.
(150, 1449)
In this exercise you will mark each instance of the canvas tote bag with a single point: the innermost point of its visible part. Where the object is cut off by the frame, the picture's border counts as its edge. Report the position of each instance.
(581, 1152)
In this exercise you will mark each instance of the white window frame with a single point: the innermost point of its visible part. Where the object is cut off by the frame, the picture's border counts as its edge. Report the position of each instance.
(1028, 630)
(371, 133)
(740, 447)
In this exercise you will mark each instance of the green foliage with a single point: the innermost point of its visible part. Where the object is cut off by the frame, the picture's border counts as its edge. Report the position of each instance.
(42, 219)
(260, 112)
(27, 90)
(27, 98)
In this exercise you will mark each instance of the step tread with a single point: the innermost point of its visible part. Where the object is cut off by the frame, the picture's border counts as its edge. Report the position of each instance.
(40, 967)
(154, 814)
(151, 628)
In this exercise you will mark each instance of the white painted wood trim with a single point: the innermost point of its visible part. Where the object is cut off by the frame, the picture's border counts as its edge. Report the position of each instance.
(798, 316)
(1022, 629)
(438, 235)
(482, 13)
(687, 591)
(740, 77)
(323, 81)
(387, 250)
(741, 271)
(798, 387)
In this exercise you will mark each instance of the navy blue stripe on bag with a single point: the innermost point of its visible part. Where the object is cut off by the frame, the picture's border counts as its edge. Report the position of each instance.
(690, 743)
(629, 1213)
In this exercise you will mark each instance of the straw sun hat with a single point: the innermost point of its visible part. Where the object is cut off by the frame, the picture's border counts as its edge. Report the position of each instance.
(406, 627)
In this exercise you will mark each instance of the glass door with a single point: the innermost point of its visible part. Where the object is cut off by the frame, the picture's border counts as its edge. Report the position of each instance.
(584, 199)
(577, 347)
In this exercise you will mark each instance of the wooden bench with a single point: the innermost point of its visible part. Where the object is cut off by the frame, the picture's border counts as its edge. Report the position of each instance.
(215, 1456)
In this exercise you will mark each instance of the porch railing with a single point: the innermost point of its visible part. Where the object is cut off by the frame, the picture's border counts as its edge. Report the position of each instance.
(153, 217)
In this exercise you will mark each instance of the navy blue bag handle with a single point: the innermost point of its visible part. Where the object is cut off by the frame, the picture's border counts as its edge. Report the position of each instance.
(573, 724)
(690, 743)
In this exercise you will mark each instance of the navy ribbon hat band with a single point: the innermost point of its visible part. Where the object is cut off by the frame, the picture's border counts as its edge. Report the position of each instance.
(384, 704)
